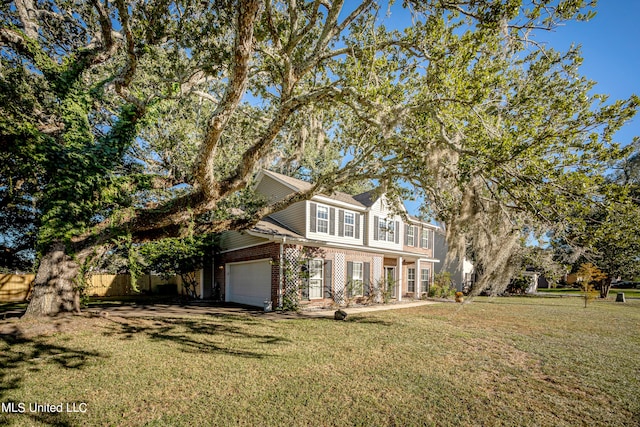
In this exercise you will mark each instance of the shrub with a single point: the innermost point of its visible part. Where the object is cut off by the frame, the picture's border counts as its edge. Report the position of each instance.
(442, 286)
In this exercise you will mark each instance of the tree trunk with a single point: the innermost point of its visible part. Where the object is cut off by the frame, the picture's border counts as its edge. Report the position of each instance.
(54, 290)
(606, 285)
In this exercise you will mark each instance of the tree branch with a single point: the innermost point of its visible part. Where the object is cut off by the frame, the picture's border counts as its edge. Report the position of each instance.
(243, 49)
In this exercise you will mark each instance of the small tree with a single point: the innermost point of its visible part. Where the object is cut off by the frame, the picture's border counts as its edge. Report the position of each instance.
(588, 275)
(178, 257)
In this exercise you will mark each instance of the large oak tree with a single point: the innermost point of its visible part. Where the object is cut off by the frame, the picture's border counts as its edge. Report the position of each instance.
(149, 119)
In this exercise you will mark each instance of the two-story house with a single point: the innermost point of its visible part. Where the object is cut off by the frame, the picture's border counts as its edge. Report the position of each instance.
(323, 250)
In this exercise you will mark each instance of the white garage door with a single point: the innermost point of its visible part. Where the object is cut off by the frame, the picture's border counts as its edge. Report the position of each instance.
(249, 282)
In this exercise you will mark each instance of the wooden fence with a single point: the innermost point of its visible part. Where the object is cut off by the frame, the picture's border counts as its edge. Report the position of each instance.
(15, 287)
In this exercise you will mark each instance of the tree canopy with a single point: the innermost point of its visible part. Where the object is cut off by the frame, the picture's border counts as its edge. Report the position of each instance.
(149, 119)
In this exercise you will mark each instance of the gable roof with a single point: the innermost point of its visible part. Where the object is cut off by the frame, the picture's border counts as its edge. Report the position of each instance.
(293, 183)
(271, 226)
(366, 199)
(300, 185)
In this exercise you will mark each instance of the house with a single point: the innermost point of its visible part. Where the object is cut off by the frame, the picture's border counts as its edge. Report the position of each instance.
(323, 251)
(462, 273)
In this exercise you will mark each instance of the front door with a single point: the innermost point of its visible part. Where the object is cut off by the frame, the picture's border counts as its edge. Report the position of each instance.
(390, 280)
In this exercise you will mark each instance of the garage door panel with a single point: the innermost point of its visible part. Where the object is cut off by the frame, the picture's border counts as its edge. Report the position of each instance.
(249, 283)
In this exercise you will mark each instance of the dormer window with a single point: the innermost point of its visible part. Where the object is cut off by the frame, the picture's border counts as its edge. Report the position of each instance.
(322, 225)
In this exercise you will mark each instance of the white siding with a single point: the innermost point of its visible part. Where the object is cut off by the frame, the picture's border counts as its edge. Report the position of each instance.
(379, 210)
(293, 217)
(235, 239)
(335, 237)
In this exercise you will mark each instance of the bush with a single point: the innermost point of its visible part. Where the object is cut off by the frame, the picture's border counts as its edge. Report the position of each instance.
(442, 286)
(519, 285)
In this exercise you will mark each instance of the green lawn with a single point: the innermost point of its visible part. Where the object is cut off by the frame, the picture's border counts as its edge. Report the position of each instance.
(500, 361)
(628, 293)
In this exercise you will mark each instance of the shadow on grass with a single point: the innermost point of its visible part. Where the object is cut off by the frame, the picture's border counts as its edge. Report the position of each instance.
(19, 353)
(197, 335)
(368, 320)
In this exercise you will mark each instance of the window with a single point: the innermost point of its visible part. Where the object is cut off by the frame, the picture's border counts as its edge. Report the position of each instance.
(357, 279)
(386, 230)
(411, 237)
(425, 241)
(382, 229)
(424, 280)
(323, 219)
(349, 224)
(411, 280)
(316, 273)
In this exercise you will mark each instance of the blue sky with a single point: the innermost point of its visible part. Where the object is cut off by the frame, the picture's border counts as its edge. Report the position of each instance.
(611, 51)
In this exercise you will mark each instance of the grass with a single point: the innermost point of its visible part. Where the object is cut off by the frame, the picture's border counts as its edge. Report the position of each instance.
(628, 293)
(501, 361)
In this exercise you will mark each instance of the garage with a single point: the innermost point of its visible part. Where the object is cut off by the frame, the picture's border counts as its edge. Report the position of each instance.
(248, 282)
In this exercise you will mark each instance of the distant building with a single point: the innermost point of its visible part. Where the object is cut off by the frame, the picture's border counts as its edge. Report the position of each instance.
(462, 273)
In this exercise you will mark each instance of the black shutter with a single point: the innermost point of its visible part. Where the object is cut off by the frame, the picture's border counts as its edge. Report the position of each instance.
(332, 221)
(357, 232)
(365, 278)
(376, 223)
(340, 222)
(397, 232)
(406, 234)
(328, 276)
(312, 217)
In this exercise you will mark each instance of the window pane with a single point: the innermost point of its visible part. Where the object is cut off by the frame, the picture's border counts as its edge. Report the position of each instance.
(356, 279)
(382, 229)
(424, 280)
(357, 271)
(349, 218)
(411, 280)
(323, 219)
(349, 221)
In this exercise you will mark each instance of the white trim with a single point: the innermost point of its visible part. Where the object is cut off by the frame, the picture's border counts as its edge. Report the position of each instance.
(422, 223)
(329, 200)
(399, 263)
(418, 293)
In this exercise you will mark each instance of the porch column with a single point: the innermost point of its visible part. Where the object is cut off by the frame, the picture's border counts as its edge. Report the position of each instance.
(399, 278)
(418, 292)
